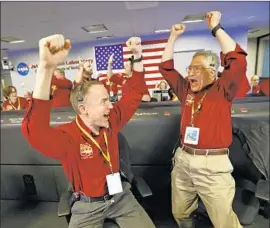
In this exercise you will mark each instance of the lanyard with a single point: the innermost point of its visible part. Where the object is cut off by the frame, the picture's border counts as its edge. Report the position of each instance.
(197, 110)
(19, 105)
(106, 156)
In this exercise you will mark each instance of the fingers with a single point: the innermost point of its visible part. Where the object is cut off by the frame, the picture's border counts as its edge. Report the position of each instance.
(55, 43)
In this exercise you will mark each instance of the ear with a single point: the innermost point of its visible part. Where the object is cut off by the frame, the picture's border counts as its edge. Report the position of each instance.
(82, 109)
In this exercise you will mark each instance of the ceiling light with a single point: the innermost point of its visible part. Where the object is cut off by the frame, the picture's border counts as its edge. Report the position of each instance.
(11, 40)
(95, 28)
(103, 37)
(162, 30)
(192, 18)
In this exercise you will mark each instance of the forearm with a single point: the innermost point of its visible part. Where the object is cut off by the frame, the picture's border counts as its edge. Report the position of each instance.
(138, 66)
(227, 44)
(169, 49)
(109, 72)
(79, 76)
(43, 83)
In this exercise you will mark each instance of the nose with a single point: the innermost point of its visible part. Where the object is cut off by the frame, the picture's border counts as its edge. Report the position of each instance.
(110, 105)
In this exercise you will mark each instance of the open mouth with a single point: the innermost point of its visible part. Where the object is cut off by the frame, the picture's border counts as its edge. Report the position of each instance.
(193, 80)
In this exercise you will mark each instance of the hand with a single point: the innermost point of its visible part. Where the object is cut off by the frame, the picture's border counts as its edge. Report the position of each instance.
(177, 30)
(53, 50)
(110, 61)
(213, 19)
(134, 45)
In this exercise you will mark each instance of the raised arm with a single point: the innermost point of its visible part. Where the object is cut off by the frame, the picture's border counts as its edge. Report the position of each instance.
(110, 72)
(36, 128)
(233, 57)
(79, 76)
(166, 67)
(126, 107)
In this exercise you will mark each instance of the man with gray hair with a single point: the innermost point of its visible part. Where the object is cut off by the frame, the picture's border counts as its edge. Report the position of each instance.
(201, 164)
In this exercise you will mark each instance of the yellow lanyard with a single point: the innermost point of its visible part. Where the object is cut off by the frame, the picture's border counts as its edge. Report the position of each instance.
(19, 105)
(197, 110)
(106, 156)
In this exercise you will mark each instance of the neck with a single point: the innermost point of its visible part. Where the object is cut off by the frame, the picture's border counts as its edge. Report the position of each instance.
(94, 128)
(85, 75)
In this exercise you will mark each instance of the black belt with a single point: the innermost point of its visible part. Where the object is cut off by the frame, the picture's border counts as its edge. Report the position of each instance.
(95, 199)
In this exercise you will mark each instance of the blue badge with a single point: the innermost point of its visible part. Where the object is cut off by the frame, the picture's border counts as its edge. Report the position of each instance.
(22, 69)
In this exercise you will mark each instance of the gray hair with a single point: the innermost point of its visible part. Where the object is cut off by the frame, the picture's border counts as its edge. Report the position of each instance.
(213, 58)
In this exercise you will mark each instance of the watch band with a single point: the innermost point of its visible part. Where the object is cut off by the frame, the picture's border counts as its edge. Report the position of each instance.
(214, 30)
(132, 60)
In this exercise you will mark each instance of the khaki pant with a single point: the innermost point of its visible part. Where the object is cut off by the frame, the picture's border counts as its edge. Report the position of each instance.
(123, 208)
(208, 177)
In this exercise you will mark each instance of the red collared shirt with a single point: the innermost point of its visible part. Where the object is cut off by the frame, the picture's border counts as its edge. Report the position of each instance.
(214, 119)
(60, 91)
(20, 104)
(79, 155)
(119, 79)
(110, 86)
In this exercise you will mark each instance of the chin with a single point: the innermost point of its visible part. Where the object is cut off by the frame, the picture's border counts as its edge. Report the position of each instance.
(196, 89)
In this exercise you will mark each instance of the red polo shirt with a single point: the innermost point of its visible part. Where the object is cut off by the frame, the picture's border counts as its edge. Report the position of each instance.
(214, 119)
(60, 90)
(110, 87)
(79, 155)
(20, 104)
(119, 79)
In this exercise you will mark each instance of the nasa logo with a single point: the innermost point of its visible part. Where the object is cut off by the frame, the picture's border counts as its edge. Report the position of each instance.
(22, 69)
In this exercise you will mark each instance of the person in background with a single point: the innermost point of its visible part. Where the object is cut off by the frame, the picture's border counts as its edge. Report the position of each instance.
(124, 78)
(27, 95)
(111, 87)
(85, 72)
(162, 85)
(60, 89)
(172, 95)
(202, 167)
(13, 102)
(88, 146)
(255, 87)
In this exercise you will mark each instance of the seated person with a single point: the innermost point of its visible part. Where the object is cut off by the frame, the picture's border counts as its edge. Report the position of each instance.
(172, 95)
(123, 78)
(255, 87)
(162, 85)
(60, 89)
(27, 95)
(13, 102)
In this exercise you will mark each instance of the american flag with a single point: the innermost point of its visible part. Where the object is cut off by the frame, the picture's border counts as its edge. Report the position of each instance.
(152, 53)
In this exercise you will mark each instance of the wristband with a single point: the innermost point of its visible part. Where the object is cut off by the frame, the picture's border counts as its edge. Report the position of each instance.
(214, 30)
(132, 60)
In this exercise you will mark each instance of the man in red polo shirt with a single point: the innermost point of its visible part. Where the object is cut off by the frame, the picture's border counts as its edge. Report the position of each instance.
(88, 146)
(201, 163)
(60, 89)
(123, 78)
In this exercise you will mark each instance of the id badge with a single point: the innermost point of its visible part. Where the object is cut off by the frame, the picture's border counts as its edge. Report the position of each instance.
(114, 183)
(111, 93)
(192, 135)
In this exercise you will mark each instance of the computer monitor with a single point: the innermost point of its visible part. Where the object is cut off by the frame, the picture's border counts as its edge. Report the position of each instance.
(160, 95)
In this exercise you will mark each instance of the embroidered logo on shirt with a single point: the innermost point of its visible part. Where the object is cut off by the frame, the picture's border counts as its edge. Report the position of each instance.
(189, 100)
(86, 151)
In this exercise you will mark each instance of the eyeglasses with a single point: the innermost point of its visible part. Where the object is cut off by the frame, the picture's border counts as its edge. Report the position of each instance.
(197, 69)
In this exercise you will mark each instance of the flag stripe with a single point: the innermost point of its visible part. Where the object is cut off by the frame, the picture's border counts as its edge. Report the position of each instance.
(144, 51)
(148, 57)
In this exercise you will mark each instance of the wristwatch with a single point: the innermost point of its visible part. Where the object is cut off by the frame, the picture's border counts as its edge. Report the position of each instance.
(135, 60)
(214, 30)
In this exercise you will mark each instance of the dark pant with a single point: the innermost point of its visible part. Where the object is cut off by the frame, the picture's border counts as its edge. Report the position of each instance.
(123, 208)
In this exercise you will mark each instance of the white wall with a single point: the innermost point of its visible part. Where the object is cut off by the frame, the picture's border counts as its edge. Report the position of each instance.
(189, 41)
(251, 58)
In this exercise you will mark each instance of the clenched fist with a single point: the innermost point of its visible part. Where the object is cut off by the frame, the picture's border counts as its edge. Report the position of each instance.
(177, 30)
(110, 60)
(134, 44)
(53, 50)
(213, 19)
